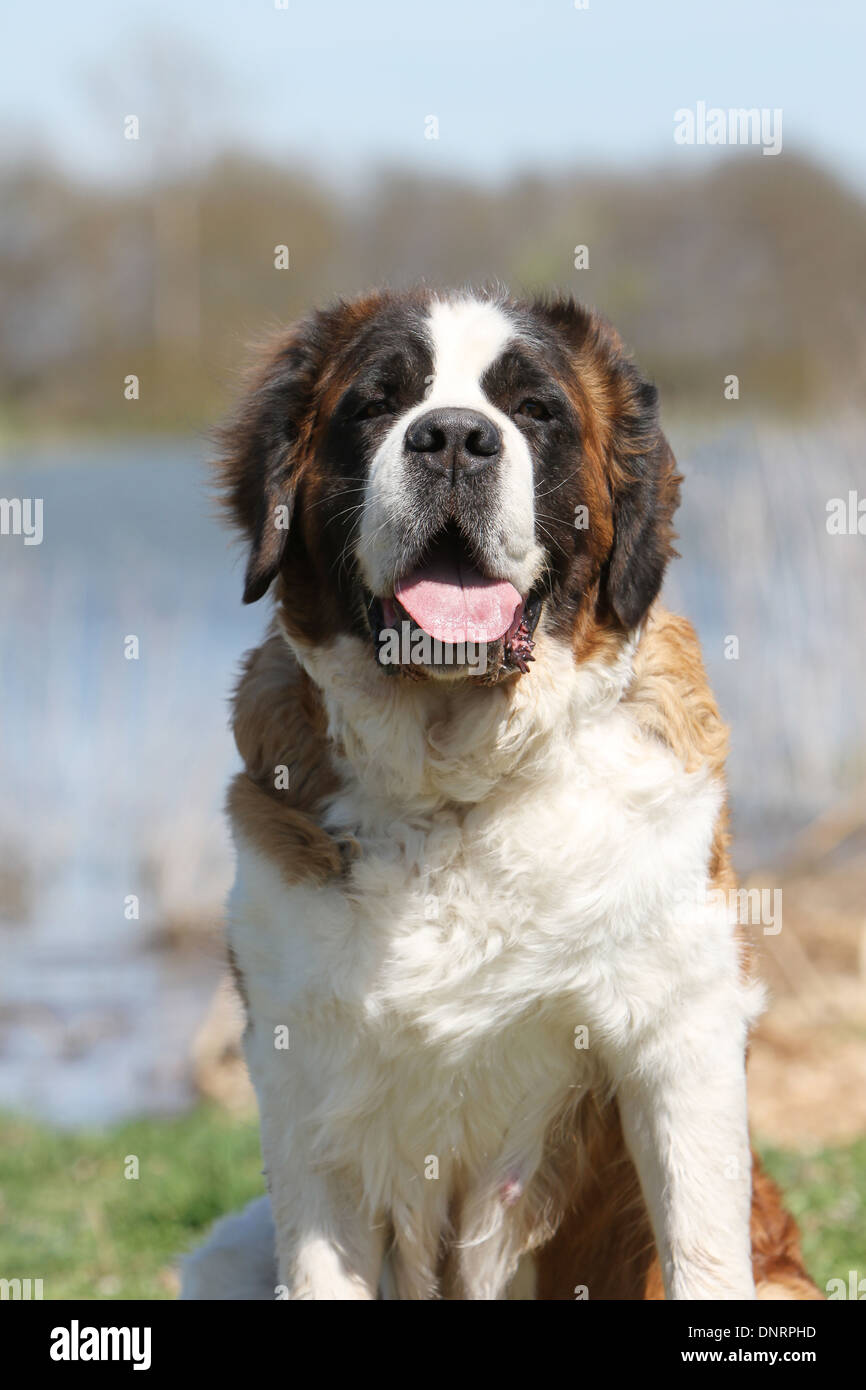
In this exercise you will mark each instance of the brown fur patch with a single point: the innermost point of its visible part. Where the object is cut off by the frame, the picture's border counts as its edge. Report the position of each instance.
(291, 839)
(278, 721)
(776, 1257)
(628, 483)
(279, 724)
(268, 457)
(605, 1242)
(671, 698)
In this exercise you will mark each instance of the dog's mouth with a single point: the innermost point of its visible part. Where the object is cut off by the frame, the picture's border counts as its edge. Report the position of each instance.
(446, 598)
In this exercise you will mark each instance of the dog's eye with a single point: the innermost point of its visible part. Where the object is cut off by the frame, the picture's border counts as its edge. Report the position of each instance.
(535, 410)
(370, 409)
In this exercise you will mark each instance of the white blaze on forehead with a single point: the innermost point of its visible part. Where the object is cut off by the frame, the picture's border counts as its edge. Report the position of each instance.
(468, 336)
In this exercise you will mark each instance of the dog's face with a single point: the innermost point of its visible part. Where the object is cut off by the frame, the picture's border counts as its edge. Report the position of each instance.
(436, 474)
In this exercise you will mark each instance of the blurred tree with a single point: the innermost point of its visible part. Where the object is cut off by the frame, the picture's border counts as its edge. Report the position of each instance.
(755, 268)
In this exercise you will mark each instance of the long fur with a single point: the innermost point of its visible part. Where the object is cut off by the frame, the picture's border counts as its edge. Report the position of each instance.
(484, 936)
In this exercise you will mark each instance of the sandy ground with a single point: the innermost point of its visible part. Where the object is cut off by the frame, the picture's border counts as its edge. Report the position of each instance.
(808, 1061)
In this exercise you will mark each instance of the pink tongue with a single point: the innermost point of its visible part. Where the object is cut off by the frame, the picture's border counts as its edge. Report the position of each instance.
(455, 603)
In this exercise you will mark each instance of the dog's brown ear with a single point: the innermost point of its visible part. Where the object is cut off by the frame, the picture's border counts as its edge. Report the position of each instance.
(645, 487)
(621, 431)
(261, 449)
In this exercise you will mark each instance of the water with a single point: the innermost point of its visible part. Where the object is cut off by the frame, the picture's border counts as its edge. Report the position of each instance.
(114, 770)
(113, 773)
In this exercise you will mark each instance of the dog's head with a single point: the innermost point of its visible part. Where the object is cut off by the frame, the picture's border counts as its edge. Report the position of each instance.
(433, 473)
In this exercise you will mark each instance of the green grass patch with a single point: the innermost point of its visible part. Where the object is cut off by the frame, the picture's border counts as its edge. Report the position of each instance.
(70, 1216)
(826, 1192)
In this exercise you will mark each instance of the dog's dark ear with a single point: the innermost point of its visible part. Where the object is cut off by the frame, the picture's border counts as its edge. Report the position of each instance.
(621, 429)
(645, 487)
(261, 449)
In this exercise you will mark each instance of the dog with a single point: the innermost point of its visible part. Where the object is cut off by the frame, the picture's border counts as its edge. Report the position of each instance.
(497, 998)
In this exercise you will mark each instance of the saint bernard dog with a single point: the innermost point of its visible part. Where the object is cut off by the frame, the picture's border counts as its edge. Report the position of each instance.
(497, 1000)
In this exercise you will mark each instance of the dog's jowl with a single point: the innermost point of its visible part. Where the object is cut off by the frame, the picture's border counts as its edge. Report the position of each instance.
(497, 1002)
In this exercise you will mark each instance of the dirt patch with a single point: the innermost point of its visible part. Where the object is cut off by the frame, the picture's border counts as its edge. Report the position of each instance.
(807, 1070)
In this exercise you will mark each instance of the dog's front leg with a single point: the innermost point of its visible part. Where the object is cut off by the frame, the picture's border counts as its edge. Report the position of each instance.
(328, 1246)
(683, 1109)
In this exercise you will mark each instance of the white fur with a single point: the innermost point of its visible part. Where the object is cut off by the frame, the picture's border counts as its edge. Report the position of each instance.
(523, 859)
(238, 1262)
(467, 335)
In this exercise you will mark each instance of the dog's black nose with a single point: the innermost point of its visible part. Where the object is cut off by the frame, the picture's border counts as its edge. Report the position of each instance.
(454, 440)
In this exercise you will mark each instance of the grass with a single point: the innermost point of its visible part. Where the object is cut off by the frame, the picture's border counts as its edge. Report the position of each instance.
(826, 1192)
(69, 1215)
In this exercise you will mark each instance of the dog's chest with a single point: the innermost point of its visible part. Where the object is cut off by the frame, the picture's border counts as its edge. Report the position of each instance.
(451, 997)
(459, 933)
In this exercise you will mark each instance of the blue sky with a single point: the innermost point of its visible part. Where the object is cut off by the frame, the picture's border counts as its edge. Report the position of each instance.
(343, 85)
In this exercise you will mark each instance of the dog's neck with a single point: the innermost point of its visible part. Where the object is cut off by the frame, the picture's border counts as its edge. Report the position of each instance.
(424, 744)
